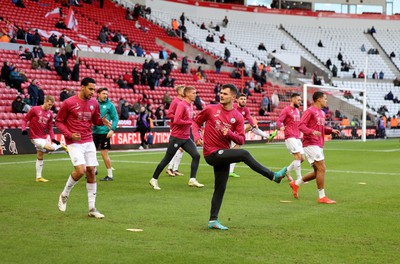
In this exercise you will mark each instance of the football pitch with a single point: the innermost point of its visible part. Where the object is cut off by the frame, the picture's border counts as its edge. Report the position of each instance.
(363, 227)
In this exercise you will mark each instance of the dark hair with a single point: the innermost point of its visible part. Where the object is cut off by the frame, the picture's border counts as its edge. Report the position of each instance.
(294, 95)
(243, 95)
(317, 95)
(232, 87)
(85, 81)
(102, 89)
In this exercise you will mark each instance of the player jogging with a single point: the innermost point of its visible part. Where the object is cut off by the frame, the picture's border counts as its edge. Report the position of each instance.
(312, 124)
(180, 138)
(223, 125)
(288, 122)
(244, 110)
(74, 120)
(173, 166)
(40, 119)
(102, 134)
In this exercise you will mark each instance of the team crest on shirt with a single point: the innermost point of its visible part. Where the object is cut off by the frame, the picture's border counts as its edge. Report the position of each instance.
(243, 113)
(175, 145)
(104, 106)
(48, 115)
(220, 151)
(233, 120)
(91, 107)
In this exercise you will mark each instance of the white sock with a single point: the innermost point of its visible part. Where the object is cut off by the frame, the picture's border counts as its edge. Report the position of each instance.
(232, 167)
(297, 168)
(55, 146)
(291, 166)
(172, 162)
(68, 186)
(321, 193)
(39, 168)
(259, 132)
(177, 160)
(299, 182)
(91, 189)
(109, 173)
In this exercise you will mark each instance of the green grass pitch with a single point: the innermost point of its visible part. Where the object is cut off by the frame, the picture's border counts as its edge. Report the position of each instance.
(363, 227)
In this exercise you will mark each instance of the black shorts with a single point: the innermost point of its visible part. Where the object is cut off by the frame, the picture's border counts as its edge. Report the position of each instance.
(102, 141)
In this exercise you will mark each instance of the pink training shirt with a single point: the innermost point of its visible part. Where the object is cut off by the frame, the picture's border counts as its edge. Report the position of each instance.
(78, 116)
(313, 119)
(290, 119)
(183, 120)
(39, 120)
(217, 118)
(246, 113)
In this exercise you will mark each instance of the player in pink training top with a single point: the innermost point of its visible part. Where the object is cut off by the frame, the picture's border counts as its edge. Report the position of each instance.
(241, 107)
(223, 125)
(312, 124)
(74, 120)
(180, 138)
(173, 166)
(289, 121)
(40, 119)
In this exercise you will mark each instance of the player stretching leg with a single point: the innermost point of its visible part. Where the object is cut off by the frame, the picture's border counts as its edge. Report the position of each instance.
(312, 124)
(223, 125)
(241, 107)
(74, 120)
(40, 118)
(288, 122)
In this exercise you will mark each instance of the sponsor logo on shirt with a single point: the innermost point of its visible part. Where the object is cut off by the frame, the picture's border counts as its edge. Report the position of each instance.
(233, 120)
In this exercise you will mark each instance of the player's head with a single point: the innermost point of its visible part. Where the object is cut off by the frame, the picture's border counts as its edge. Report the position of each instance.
(88, 86)
(296, 100)
(242, 100)
(319, 99)
(102, 94)
(48, 102)
(229, 93)
(189, 92)
(179, 90)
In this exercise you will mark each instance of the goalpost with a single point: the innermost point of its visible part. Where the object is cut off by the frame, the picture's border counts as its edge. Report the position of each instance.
(343, 103)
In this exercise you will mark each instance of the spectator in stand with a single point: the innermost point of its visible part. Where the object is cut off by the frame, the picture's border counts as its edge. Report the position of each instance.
(102, 37)
(41, 96)
(61, 25)
(225, 22)
(345, 122)
(227, 54)
(320, 44)
(163, 55)
(258, 88)
(396, 100)
(381, 75)
(19, 3)
(75, 71)
(139, 51)
(198, 102)
(372, 30)
(4, 38)
(167, 100)
(135, 76)
(36, 38)
(389, 96)
(121, 83)
(329, 63)
(71, 92)
(53, 40)
(182, 19)
(168, 82)
(222, 39)
(354, 75)
(33, 92)
(203, 26)
(210, 38)
(69, 49)
(265, 107)
(262, 47)
(363, 48)
(5, 72)
(185, 65)
(15, 80)
(119, 49)
(392, 55)
(57, 58)
(27, 55)
(18, 106)
(361, 75)
(274, 100)
(375, 75)
(64, 95)
(394, 122)
(340, 56)
(218, 64)
(124, 113)
(128, 14)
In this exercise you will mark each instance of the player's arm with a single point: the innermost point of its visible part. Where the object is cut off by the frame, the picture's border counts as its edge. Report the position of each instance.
(303, 123)
(171, 111)
(249, 118)
(329, 130)
(60, 120)
(196, 126)
(26, 119)
(50, 127)
(114, 117)
(237, 135)
(179, 114)
(280, 120)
